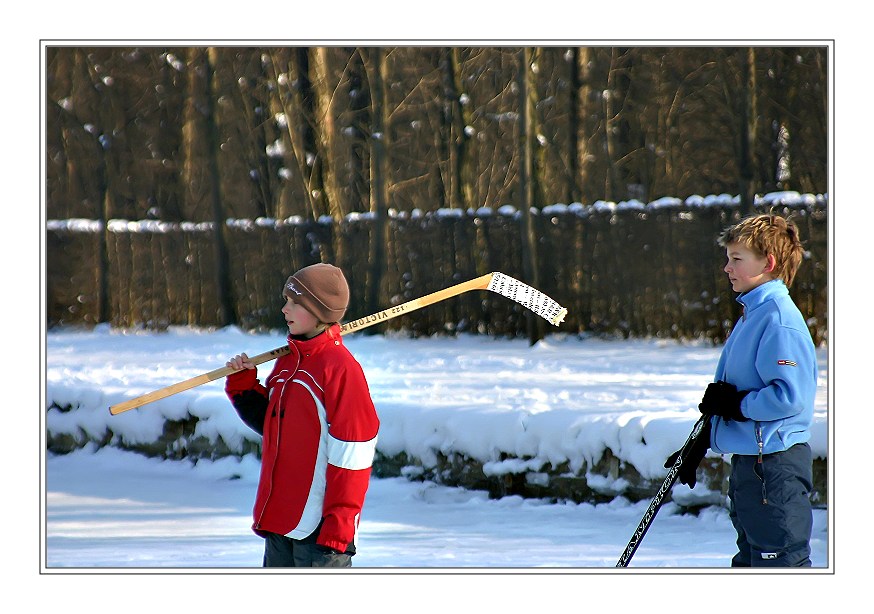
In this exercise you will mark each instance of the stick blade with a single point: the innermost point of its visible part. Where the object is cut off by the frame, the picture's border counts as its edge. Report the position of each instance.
(530, 298)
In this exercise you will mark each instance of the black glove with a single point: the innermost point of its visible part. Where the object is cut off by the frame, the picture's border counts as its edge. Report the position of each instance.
(723, 399)
(697, 450)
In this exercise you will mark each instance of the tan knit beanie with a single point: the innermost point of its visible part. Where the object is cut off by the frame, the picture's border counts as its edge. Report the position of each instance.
(321, 289)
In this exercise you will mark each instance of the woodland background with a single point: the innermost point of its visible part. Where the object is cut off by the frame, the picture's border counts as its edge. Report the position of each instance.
(208, 174)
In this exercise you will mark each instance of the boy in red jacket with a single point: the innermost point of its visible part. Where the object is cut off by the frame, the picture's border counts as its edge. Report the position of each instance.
(318, 427)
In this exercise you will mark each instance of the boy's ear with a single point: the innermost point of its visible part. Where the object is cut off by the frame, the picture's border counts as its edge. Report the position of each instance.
(772, 264)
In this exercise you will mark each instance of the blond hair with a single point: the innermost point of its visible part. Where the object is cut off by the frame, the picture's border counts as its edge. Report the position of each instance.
(769, 235)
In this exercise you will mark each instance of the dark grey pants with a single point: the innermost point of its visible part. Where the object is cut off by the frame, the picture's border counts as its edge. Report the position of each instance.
(281, 551)
(770, 508)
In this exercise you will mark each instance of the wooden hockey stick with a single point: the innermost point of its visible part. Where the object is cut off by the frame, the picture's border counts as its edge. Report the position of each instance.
(499, 283)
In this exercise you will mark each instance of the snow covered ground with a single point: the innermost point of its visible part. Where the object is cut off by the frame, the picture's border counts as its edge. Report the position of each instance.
(565, 399)
(114, 509)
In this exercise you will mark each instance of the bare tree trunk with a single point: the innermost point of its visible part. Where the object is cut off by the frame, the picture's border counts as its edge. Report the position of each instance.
(526, 187)
(106, 175)
(293, 98)
(325, 121)
(585, 134)
(222, 273)
(194, 145)
(747, 129)
(304, 98)
(663, 167)
(574, 141)
(538, 163)
(611, 180)
(97, 159)
(375, 64)
(456, 118)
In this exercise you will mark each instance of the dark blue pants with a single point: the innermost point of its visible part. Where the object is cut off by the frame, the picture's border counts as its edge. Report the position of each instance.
(770, 508)
(281, 551)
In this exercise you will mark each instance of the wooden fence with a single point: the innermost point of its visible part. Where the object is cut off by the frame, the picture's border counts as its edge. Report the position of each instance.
(630, 270)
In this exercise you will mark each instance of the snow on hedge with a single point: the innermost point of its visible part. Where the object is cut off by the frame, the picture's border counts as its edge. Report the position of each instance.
(513, 407)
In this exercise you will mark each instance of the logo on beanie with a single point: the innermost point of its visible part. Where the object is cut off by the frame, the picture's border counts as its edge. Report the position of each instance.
(291, 287)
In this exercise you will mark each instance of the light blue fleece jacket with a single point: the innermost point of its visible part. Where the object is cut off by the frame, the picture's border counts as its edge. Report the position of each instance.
(769, 353)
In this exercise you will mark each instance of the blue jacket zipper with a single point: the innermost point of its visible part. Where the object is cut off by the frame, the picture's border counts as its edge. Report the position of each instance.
(761, 464)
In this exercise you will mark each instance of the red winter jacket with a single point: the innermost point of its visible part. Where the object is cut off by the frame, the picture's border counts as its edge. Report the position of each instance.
(319, 429)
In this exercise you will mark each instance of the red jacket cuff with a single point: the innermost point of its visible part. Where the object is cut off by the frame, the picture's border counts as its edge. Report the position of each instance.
(238, 382)
(332, 543)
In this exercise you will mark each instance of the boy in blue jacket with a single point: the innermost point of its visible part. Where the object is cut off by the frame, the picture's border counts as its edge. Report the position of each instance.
(762, 401)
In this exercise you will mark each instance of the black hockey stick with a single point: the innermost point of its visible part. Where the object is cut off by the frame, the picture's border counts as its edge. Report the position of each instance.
(653, 509)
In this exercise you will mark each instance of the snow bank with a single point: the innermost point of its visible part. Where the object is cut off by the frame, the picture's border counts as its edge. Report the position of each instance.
(512, 408)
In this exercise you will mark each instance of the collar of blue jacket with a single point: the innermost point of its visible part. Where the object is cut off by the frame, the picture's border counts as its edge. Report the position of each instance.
(762, 294)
